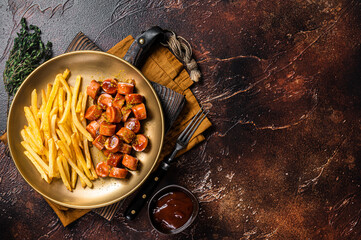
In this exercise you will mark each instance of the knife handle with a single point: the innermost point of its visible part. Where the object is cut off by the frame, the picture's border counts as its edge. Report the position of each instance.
(146, 191)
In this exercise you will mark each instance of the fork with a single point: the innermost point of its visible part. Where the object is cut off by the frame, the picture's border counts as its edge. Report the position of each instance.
(153, 180)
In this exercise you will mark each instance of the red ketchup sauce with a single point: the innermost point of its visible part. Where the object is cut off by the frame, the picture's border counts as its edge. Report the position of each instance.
(172, 210)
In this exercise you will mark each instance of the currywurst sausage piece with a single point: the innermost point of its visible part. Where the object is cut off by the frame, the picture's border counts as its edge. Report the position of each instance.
(93, 128)
(105, 100)
(133, 98)
(139, 111)
(126, 135)
(99, 142)
(130, 162)
(118, 172)
(93, 113)
(102, 169)
(125, 88)
(114, 159)
(107, 129)
(118, 101)
(125, 148)
(140, 143)
(112, 144)
(132, 124)
(125, 113)
(113, 114)
(93, 89)
(110, 86)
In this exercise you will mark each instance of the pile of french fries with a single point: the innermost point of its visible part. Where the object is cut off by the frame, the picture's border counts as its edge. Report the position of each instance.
(55, 140)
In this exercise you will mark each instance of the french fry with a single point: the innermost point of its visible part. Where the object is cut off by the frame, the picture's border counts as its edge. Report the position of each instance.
(59, 162)
(68, 101)
(73, 128)
(77, 137)
(43, 103)
(53, 127)
(52, 155)
(66, 168)
(34, 106)
(55, 104)
(48, 90)
(87, 154)
(54, 111)
(61, 100)
(37, 166)
(83, 184)
(83, 106)
(62, 138)
(30, 135)
(56, 170)
(74, 178)
(30, 141)
(49, 103)
(65, 133)
(94, 173)
(66, 74)
(79, 156)
(78, 105)
(76, 121)
(46, 136)
(64, 150)
(36, 157)
(31, 120)
(86, 180)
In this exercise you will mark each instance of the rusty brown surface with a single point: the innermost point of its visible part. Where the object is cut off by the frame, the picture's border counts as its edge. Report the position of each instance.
(282, 80)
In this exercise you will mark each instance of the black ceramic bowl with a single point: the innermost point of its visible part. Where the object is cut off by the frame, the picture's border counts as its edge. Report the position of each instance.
(160, 193)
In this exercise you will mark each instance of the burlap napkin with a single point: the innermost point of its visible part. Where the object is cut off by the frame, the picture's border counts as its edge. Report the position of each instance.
(161, 67)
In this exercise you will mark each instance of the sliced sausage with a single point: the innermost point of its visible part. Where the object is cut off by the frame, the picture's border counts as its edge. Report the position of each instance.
(125, 88)
(125, 113)
(99, 142)
(102, 118)
(105, 100)
(112, 144)
(140, 143)
(93, 128)
(93, 113)
(130, 162)
(113, 114)
(126, 135)
(118, 101)
(107, 129)
(102, 169)
(125, 148)
(139, 111)
(114, 159)
(133, 98)
(110, 86)
(118, 172)
(93, 89)
(132, 124)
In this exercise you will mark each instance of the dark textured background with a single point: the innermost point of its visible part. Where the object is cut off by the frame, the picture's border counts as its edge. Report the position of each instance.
(283, 82)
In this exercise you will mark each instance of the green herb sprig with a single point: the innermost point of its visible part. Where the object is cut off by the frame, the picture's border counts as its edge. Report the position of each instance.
(27, 54)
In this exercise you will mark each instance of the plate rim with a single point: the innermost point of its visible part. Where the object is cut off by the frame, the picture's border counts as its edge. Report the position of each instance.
(9, 136)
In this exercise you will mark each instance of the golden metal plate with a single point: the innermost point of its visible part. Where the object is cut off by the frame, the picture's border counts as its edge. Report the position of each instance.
(90, 65)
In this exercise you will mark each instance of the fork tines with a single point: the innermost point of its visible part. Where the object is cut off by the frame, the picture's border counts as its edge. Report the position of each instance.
(192, 126)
